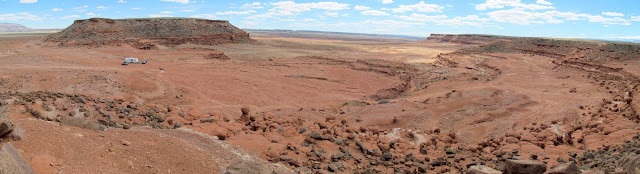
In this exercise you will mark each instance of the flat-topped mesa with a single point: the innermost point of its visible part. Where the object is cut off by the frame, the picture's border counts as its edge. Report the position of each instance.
(467, 39)
(146, 32)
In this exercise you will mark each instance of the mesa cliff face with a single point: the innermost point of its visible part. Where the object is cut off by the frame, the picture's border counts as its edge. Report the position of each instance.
(146, 32)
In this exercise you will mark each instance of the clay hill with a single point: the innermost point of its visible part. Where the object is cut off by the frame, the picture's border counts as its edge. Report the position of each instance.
(9, 27)
(145, 33)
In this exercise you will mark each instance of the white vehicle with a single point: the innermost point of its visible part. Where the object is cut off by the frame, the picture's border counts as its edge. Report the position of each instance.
(130, 60)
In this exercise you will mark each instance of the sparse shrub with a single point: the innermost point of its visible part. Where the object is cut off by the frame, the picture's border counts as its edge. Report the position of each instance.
(303, 129)
(17, 133)
(355, 103)
(383, 101)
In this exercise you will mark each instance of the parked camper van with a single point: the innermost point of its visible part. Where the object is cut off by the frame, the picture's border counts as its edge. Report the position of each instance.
(131, 60)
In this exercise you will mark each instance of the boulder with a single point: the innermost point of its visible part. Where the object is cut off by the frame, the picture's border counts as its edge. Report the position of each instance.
(335, 167)
(207, 120)
(593, 171)
(481, 169)
(565, 168)
(630, 163)
(12, 162)
(303, 170)
(525, 167)
(6, 126)
(245, 110)
(217, 56)
(248, 168)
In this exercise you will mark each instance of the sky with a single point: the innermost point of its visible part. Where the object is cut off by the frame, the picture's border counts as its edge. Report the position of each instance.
(539, 18)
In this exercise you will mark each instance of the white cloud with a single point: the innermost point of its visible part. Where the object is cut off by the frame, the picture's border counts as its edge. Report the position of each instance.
(206, 16)
(255, 5)
(122, 1)
(72, 16)
(543, 2)
(290, 8)
(235, 12)
(178, 1)
(261, 16)
(523, 17)
(551, 15)
(287, 20)
(20, 17)
(612, 14)
(392, 23)
(375, 13)
(78, 8)
(514, 16)
(159, 15)
(386, 1)
(422, 18)
(166, 12)
(605, 20)
(555, 21)
(471, 20)
(28, 1)
(81, 9)
(635, 18)
(302, 7)
(101, 7)
(359, 7)
(56, 9)
(421, 7)
(332, 14)
(91, 14)
(498, 4)
(136, 8)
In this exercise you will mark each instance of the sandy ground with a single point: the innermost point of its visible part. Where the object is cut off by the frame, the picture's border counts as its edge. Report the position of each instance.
(182, 77)
(483, 97)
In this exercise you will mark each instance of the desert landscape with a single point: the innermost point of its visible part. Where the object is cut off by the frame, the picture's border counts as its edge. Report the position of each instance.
(214, 98)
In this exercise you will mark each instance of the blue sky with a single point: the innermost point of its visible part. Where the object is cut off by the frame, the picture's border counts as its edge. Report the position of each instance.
(547, 18)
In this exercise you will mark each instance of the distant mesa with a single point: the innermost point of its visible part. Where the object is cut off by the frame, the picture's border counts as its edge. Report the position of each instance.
(593, 50)
(147, 33)
(9, 27)
(467, 39)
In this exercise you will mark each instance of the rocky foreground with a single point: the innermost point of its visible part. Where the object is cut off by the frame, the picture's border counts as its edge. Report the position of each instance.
(333, 145)
(494, 119)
